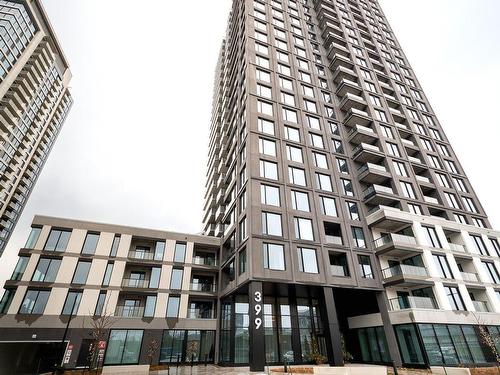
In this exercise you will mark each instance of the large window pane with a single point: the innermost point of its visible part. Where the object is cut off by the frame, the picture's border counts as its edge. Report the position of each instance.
(176, 280)
(124, 347)
(159, 250)
(90, 243)
(409, 345)
(180, 252)
(132, 347)
(72, 303)
(307, 260)
(173, 306)
(81, 272)
(273, 256)
(18, 273)
(33, 238)
(58, 240)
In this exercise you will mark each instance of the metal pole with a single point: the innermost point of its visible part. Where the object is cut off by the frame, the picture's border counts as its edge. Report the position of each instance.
(65, 334)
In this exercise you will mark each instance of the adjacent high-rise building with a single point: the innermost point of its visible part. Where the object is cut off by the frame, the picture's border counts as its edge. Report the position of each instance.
(34, 102)
(338, 222)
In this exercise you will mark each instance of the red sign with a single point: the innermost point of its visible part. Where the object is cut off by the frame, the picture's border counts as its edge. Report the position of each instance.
(102, 345)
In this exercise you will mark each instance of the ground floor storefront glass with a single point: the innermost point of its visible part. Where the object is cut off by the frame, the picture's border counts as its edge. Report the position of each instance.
(442, 344)
(373, 345)
(124, 347)
(186, 346)
(293, 329)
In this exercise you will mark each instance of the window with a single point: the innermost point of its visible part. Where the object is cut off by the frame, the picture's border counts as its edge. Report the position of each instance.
(288, 99)
(81, 272)
(408, 191)
(271, 224)
(451, 199)
(308, 91)
(180, 252)
(479, 244)
(33, 238)
(434, 161)
(114, 246)
(492, 272)
(307, 260)
(264, 108)
(124, 347)
(393, 149)
(34, 302)
(303, 229)
(263, 75)
(107, 274)
(260, 48)
(270, 195)
(431, 237)
(265, 126)
(443, 181)
(310, 106)
(243, 229)
(496, 245)
(173, 306)
(242, 262)
(337, 146)
(365, 267)
(323, 182)
(400, 168)
(387, 131)
(90, 243)
(300, 201)
(454, 298)
(358, 236)
(46, 270)
(289, 115)
(352, 209)
(72, 303)
(101, 300)
(342, 166)
(262, 90)
(442, 266)
(268, 170)
(273, 256)
(328, 206)
(469, 204)
(451, 166)
(267, 147)
(176, 278)
(159, 250)
(18, 272)
(292, 134)
(316, 140)
(376, 101)
(380, 115)
(294, 154)
(297, 176)
(459, 218)
(313, 122)
(415, 209)
(320, 160)
(460, 184)
(58, 240)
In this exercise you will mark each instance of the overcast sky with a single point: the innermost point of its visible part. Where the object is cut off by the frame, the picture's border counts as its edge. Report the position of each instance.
(133, 150)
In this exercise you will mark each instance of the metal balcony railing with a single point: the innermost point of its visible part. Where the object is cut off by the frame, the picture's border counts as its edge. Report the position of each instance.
(471, 277)
(481, 306)
(204, 261)
(203, 287)
(135, 283)
(338, 270)
(129, 311)
(395, 239)
(200, 313)
(144, 255)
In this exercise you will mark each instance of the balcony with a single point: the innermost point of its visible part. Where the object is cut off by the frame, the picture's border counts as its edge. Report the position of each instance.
(141, 254)
(347, 87)
(481, 306)
(338, 271)
(423, 179)
(333, 240)
(431, 200)
(397, 246)
(200, 313)
(352, 101)
(357, 117)
(404, 275)
(378, 194)
(339, 60)
(362, 134)
(366, 153)
(203, 287)
(457, 247)
(469, 277)
(415, 160)
(129, 311)
(412, 302)
(204, 261)
(373, 173)
(137, 283)
(343, 73)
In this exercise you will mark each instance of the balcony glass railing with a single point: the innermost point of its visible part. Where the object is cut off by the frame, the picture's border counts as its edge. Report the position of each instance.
(470, 277)
(481, 306)
(204, 261)
(203, 287)
(457, 247)
(338, 270)
(334, 240)
(200, 313)
(129, 311)
(430, 199)
(135, 283)
(412, 302)
(137, 254)
(394, 239)
(405, 270)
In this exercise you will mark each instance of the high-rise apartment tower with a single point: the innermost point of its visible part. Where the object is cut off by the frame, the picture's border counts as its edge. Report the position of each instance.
(338, 222)
(34, 102)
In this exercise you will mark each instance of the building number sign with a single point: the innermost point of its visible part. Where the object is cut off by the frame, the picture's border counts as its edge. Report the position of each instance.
(258, 309)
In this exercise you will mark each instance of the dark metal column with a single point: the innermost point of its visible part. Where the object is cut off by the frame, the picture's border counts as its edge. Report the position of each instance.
(257, 354)
(390, 336)
(294, 318)
(335, 355)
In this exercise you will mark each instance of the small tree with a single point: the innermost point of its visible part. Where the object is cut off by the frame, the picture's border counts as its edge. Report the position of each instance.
(153, 347)
(347, 356)
(489, 339)
(315, 354)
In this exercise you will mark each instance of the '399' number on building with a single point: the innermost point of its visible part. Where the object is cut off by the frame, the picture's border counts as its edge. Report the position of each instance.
(258, 310)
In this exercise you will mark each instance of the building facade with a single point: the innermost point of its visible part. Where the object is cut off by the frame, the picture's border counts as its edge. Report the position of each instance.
(34, 102)
(337, 221)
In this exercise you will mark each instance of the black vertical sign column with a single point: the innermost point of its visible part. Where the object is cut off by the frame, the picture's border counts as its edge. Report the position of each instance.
(257, 354)
(336, 356)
